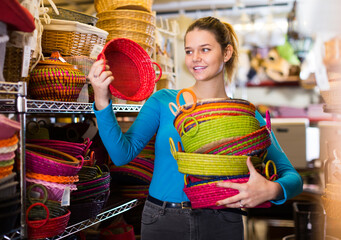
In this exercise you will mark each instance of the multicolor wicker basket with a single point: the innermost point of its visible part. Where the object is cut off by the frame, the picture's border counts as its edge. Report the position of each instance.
(104, 5)
(71, 38)
(212, 165)
(55, 80)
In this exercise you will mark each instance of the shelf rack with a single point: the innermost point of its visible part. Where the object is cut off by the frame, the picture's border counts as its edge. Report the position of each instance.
(18, 104)
(100, 217)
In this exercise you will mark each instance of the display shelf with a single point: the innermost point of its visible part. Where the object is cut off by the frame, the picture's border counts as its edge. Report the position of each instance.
(18, 88)
(14, 234)
(100, 217)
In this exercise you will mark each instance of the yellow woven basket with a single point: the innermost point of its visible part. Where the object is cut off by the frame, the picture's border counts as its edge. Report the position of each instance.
(104, 5)
(212, 164)
(124, 23)
(127, 13)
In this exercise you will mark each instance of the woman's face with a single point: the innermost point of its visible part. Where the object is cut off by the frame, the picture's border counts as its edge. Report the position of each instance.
(204, 56)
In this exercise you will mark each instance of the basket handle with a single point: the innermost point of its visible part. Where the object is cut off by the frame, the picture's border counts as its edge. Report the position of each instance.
(267, 174)
(88, 143)
(160, 69)
(82, 160)
(172, 147)
(42, 187)
(45, 220)
(196, 127)
(171, 108)
(194, 100)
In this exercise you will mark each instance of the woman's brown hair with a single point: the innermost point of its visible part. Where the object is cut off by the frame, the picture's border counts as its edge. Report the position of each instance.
(224, 34)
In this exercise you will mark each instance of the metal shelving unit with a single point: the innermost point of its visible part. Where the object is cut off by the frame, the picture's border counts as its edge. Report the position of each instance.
(100, 217)
(18, 104)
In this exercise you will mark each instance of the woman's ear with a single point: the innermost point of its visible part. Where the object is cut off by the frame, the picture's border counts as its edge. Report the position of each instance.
(228, 52)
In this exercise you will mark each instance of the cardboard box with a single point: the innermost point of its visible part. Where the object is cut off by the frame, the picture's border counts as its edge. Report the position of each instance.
(291, 136)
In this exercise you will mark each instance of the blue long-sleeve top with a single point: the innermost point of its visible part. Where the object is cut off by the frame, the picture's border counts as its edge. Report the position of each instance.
(155, 117)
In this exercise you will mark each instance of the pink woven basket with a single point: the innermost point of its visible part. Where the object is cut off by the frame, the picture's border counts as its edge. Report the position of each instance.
(44, 165)
(74, 149)
(8, 127)
(206, 195)
(54, 190)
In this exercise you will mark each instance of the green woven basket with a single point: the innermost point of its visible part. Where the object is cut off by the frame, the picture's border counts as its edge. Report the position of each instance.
(216, 130)
(211, 164)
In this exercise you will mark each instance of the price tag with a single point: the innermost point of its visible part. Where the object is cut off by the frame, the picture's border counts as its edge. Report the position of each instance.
(97, 49)
(26, 61)
(66, 197)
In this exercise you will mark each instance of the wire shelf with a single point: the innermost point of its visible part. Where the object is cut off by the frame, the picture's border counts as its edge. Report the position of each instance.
(14, 234)
(100, 217)
(18, 88)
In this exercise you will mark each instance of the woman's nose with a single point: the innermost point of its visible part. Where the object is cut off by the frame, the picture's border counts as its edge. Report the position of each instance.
(196, 56)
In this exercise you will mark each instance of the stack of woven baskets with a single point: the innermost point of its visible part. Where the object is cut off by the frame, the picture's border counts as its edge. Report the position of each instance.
(134, 178)
(9, 195)
(218, 135)
(132, 19)
(72, 35)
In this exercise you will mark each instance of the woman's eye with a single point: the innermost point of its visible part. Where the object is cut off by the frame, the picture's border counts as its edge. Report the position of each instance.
(188, 52)
(205, 49)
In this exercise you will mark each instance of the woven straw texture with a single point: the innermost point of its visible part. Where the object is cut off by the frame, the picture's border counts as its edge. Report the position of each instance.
(212, 165)
(131, 24)
(70, 43)
(67, 14)
(197, 135)
(104, 5)
(206, 195)
(132, 67)
(57, 81)
(127, 13)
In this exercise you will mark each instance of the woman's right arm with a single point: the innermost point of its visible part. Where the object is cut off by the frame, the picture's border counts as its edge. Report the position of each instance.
(122, 148)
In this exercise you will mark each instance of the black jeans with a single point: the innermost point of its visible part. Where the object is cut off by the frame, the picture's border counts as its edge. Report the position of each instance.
(161, 223)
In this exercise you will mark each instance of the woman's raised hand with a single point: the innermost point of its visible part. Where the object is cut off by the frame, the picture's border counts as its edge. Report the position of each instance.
(256, 191)
(100, 77)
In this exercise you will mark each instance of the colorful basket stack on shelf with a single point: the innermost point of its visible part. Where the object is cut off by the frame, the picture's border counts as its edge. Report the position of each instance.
(134, 178)
(44, 218)
(218, 135)
(53, 169)
(92, 193)
(132, 19)
(9, 195)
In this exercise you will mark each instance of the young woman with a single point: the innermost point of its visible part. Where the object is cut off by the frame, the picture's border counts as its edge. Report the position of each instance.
(211, 49)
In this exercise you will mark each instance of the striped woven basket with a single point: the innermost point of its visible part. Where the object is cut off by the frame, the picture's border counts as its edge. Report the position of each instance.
(142, 5)
(128, 13)
(212, 165)
(206, 193)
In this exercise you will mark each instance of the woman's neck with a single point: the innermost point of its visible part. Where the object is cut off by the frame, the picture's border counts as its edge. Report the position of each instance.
(204, 90)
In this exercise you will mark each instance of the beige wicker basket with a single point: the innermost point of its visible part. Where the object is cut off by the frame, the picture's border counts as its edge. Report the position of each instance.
(71, 38)
(132, 35)
(135, 14)
(123, 23)
(104, 5)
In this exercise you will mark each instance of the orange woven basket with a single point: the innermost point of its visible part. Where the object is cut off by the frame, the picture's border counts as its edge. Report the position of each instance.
(104, 5)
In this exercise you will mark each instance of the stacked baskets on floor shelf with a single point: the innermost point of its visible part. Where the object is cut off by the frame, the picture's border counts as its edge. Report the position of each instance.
(134, 178)
(132, 19)
(218, 135)
(9, 195)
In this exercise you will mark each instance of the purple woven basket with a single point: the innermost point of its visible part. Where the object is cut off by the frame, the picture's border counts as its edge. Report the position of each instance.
(74, 149)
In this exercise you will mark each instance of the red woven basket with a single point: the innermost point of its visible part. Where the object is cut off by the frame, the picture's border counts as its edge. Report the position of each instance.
(132, 69)
(48, 227)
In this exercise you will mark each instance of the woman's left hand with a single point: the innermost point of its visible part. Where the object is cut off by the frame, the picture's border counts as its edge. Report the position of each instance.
(256, 191)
